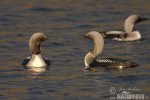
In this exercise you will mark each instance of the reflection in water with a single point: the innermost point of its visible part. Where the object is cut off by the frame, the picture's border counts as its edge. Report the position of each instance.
(36, 71)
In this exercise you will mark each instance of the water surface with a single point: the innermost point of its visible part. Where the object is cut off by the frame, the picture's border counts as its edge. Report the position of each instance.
(65, 23)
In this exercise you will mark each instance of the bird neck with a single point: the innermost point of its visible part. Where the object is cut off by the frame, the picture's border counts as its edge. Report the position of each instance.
(128, 27)
(36, 49)
(98, 45)
(88, 59)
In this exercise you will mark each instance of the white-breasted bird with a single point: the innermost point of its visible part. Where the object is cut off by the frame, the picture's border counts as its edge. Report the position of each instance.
(90, 59)
(129, 33)
(36, 62)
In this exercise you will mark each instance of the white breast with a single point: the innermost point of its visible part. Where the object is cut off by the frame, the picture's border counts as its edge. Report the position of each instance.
(36, 61)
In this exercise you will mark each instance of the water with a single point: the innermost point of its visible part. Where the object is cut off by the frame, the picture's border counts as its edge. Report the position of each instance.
(65, 22)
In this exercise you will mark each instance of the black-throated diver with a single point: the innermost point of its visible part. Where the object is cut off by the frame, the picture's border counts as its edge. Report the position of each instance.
(91, 60)
(36, 62)
(129, 34)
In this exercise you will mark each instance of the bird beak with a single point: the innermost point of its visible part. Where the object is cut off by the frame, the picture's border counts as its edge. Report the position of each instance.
(85, 36)
(144, 19)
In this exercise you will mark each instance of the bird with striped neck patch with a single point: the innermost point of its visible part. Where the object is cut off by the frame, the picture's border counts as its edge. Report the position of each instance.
(129, 33)
(90, 59)
(36, 62)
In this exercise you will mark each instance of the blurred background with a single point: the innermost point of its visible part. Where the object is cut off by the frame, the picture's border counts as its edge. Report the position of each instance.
(65, 22)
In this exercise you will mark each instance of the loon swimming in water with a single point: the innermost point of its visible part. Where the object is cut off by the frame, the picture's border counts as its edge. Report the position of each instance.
(91, 60)
(36, 62)
(129, 34)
